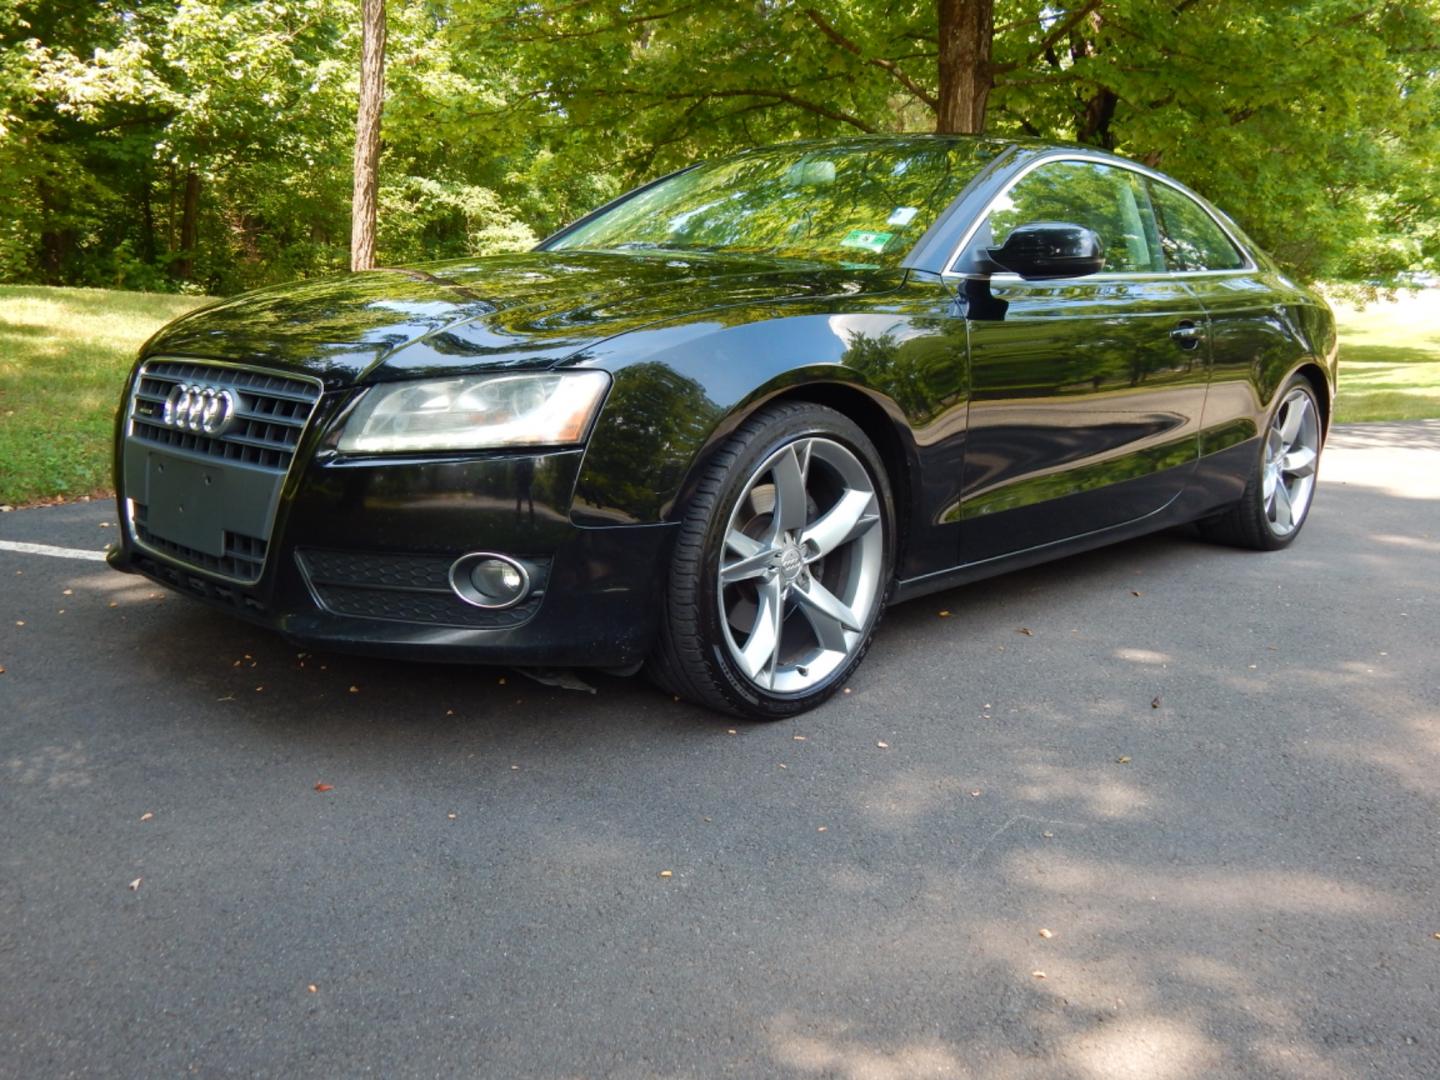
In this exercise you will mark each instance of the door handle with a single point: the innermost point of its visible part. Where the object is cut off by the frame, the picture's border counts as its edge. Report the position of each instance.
(1187, 335)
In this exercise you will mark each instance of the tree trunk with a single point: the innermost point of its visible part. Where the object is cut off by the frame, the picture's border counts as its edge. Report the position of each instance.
(55, 240)
(967, 28)
(147, 221)
(189, 226)
(367, 136)
(1092, 122)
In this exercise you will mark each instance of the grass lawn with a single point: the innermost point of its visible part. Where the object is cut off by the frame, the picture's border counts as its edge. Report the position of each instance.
(63, 357)
(1390, 359)
(64, 354)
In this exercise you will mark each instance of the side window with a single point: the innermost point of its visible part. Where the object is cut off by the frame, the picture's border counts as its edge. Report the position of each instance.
(1189, 235)
(1113, 202)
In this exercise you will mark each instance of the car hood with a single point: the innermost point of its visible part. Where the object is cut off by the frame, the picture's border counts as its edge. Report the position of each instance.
(535, 309)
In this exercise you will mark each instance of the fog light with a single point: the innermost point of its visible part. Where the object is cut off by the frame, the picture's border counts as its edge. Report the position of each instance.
(489, 581)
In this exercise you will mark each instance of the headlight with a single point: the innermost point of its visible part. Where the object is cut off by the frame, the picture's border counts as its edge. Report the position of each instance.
(477, 412)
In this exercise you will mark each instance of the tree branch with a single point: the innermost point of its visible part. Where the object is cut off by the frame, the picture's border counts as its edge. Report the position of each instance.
(885, 65)
(622, 24)
(776, 96)
(1058, 31)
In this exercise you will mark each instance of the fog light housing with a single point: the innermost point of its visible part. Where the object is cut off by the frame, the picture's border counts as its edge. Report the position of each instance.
(491, 581)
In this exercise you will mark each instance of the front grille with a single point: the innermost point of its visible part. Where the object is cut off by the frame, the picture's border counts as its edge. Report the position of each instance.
(248, 460)
(272, 413)
(407, 588)
(199, 587)
(243, 560)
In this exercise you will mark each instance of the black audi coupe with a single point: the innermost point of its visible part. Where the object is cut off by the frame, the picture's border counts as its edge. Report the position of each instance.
(713, 428)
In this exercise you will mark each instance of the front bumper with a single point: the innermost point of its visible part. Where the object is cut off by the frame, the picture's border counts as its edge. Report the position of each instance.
(359, 548)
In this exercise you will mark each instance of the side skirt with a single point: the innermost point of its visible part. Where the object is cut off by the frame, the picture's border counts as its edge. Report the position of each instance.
(1219, 480)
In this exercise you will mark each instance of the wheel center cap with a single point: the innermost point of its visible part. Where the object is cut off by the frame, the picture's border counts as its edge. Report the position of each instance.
(791, 562)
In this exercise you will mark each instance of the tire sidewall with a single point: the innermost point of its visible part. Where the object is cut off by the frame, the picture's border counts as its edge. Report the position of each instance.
(815, 421)
(1273, 540)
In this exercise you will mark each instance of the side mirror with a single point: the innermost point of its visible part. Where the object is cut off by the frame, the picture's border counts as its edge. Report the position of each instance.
(1050, 249)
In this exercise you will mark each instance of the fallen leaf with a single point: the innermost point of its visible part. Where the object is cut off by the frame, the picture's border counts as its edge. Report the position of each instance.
(104, 524)
(976, 793)
(449, 712)
(730, 731)
(502, 680)
(798, 738)
(846, 690)
(135, 885)
(1436, 936)
(354, 689)
(1123, 759)
(1048, 835)
(259, 688)
(883, 745)
(114, 603)
(146, 816)
(667, 873)
(944, 614)
(312, 988)
(514, 768)
(67, 592)
(1038, 974)
(324, 787)
(2, 669)
(450, 816)
(1134, 592)
(784, 766)
(1026, 631)
(1046, 933)
(19, 622)
(825, 828)
(1155, 702)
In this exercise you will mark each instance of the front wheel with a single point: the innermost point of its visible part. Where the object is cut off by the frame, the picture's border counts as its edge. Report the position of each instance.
(1282, 484)
(781, 568)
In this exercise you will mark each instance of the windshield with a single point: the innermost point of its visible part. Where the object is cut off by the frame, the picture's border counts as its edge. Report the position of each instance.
(859, 202)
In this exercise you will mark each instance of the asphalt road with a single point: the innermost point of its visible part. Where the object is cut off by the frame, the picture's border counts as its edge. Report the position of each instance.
(1163, 811)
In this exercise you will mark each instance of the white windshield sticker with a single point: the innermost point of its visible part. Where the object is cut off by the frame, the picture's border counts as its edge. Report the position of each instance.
(902, 215)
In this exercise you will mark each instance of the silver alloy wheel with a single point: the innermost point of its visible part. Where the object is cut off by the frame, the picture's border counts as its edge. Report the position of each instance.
(1292, 452)
(799, 575)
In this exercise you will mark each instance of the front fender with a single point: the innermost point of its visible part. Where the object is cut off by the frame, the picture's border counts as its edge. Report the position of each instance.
(681, 390)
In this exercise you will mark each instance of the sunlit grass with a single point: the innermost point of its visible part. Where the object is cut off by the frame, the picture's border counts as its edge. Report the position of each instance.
(1390, 359)
(63, 358)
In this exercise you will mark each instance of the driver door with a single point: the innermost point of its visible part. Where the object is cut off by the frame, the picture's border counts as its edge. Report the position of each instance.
(1086, 392)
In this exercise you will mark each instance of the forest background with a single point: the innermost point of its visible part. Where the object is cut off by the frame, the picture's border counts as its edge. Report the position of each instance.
(206, 146)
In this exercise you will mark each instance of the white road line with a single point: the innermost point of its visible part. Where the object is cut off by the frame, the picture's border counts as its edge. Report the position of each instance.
(54, 552)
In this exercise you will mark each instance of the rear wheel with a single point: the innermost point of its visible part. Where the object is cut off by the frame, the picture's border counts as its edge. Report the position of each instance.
(1282, 484)
(781, 568)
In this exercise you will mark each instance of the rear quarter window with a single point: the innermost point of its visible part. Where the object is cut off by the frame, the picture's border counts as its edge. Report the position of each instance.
(1189, 236)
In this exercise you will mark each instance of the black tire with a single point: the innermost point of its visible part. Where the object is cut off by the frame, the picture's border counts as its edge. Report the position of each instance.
(691, 657)
(1246, 523)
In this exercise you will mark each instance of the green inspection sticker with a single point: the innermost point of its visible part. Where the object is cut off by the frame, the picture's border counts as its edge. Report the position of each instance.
(869, 241)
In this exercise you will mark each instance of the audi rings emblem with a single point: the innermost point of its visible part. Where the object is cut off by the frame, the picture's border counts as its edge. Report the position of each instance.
(204, 409)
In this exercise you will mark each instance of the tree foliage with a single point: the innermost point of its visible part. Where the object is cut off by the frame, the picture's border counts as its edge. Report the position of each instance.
(207, 144)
